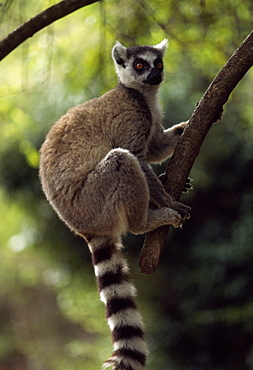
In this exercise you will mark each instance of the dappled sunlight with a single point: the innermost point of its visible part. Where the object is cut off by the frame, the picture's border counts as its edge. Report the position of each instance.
(198, 305)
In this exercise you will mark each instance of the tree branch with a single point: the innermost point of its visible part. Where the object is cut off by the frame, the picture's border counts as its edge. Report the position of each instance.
(206, 113)
(40, 21)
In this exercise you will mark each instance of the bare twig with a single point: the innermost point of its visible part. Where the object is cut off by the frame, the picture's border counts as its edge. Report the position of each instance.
(206, 113)
(40, 21)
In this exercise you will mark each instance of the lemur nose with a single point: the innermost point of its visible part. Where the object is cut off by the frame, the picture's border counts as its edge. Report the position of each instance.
(154, 72)
(154, 78)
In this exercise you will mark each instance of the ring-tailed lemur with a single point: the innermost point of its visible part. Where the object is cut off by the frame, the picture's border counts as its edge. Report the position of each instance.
(95, 173)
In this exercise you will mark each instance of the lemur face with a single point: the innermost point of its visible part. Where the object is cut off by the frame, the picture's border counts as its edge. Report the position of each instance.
(148, 68)
(138, 66)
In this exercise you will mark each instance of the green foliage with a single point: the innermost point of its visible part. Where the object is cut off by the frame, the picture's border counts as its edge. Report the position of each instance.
(198, 305)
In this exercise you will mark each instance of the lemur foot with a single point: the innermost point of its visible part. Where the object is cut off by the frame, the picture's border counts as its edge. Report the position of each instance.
(182, 209)
(176, 219)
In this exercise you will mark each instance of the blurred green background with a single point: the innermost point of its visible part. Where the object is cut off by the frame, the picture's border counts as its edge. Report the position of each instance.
(198, 306)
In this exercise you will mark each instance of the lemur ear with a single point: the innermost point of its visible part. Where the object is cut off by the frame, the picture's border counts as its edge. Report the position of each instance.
(162, 46)
(119, 54)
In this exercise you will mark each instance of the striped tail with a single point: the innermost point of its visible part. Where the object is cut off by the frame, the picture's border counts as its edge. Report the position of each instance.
(118, 293)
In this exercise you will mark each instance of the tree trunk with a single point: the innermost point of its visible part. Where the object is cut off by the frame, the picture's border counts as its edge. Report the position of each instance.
(208, 111)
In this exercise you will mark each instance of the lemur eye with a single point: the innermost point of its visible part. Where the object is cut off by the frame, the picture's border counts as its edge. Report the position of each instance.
(159, 65)
(139, 65)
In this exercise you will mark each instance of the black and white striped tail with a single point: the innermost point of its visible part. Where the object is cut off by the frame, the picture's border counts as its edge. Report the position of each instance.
(118, 293)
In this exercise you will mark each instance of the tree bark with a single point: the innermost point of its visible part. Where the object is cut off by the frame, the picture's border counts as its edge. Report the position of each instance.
(207, 112)
(40, 21)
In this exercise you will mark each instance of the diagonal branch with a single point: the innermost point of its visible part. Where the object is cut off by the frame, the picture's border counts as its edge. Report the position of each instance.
(40, 21)
(206, 113)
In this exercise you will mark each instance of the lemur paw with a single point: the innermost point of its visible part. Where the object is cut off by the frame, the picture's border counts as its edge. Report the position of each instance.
(188, 186)
(179, 128)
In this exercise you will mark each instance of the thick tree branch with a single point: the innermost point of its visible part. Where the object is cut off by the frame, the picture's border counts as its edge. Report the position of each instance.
(206, 113)
(40, 21)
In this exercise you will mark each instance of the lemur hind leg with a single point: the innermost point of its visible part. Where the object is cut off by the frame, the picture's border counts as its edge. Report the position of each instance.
(119, 193)
(159, 217)
(120, 199)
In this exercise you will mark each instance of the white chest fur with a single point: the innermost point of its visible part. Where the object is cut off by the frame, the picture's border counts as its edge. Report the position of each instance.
(152, 101)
